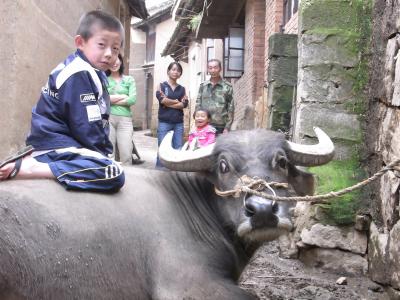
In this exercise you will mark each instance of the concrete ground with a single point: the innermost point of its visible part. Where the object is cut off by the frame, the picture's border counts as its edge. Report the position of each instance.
(147, 147)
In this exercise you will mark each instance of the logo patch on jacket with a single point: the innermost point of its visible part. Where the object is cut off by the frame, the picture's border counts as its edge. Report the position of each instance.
(93, 112)
(88, 98)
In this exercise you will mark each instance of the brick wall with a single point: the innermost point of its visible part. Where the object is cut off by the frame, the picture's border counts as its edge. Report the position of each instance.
(263, 19)
(273, 21)
(249, 87)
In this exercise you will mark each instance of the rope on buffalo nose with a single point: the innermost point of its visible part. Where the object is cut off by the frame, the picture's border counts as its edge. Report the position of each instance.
(249, 185)
(254, 186)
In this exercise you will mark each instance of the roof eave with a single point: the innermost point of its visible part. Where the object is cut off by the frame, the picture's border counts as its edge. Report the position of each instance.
(137, 8)
(216, 22)
(166, 12)
(181, 37)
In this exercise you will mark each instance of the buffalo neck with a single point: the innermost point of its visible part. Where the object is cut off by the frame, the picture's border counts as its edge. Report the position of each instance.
(196, 201)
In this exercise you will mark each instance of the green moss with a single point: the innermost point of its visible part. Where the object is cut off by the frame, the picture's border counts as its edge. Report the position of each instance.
(338, 38)
(328, 13)
(362, 44)
(335, 176)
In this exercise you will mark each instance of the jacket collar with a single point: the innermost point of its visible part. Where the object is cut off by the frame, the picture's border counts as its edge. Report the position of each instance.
(208, 82)
(101, 74)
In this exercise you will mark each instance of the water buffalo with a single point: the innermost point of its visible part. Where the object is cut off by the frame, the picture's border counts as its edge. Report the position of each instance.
(165, 235)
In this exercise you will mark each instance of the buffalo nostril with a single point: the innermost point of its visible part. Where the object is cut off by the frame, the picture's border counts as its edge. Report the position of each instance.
(250, 210)
(262, 212)
(274, 207)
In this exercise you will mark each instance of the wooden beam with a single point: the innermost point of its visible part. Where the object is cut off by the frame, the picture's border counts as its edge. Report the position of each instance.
(212, 32)
(239, 8)
(217, 20)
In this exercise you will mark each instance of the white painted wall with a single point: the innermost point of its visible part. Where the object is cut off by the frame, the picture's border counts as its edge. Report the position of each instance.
(164, 31)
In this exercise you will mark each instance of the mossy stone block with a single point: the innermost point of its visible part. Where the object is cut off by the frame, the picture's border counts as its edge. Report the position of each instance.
(281, 108)
(283, 70)
(329, 13)
(282, 45)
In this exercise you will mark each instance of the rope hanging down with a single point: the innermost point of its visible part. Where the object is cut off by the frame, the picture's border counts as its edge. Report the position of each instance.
(252, 186)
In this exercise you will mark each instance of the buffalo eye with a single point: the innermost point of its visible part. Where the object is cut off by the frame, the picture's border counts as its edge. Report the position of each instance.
(282, 163)
(223, 166)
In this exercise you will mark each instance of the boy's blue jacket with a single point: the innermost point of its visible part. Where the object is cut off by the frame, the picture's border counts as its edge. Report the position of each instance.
(73, 109)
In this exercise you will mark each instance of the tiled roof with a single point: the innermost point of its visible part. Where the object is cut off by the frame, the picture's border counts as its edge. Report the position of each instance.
(161, 5)
(155, 12)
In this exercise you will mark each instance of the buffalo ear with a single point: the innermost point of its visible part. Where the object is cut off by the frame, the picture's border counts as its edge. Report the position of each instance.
(301, 181)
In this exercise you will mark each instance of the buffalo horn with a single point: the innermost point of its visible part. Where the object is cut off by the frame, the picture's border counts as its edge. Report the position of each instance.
(184, 160)
(312, 155)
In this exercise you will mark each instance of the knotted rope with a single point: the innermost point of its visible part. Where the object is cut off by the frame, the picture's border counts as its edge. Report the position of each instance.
(255, 185)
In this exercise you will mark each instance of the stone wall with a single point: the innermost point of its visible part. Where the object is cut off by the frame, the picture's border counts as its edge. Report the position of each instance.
(282, 80)
(333, 53)
(383, 145)
(328, 61)
(332, 94)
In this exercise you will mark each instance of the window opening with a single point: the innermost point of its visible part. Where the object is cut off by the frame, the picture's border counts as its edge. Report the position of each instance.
(234, 53)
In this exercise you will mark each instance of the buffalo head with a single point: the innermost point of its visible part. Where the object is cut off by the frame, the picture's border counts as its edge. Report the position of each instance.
(258, 154)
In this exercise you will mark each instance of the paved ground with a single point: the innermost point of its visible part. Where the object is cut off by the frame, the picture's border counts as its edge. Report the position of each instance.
(146, 145)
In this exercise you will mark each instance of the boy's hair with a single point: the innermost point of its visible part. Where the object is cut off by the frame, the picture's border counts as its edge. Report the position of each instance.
(102, 19)
(121, 67)
(203, 109)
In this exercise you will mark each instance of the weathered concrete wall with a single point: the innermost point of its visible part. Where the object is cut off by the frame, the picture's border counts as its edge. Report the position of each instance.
(136, 70)
(36, 36)
(383, 144)
(282, 80)
(163, 35)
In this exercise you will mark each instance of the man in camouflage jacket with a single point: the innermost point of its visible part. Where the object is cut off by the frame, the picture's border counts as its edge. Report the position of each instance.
(216, 95)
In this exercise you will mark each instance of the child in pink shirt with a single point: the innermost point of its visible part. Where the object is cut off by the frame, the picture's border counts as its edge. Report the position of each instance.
(204, 134)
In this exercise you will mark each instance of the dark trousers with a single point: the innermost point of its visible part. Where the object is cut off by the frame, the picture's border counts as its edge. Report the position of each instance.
(77, 171)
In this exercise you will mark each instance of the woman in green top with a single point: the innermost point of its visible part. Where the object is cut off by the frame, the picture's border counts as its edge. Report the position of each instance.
(122, 90)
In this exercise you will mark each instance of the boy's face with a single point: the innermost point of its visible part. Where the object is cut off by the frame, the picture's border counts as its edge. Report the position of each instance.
(101, 49)
(200, 118)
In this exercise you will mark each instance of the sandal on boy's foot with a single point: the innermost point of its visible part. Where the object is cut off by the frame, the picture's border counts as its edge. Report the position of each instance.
(15, 171)
(17, 158)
